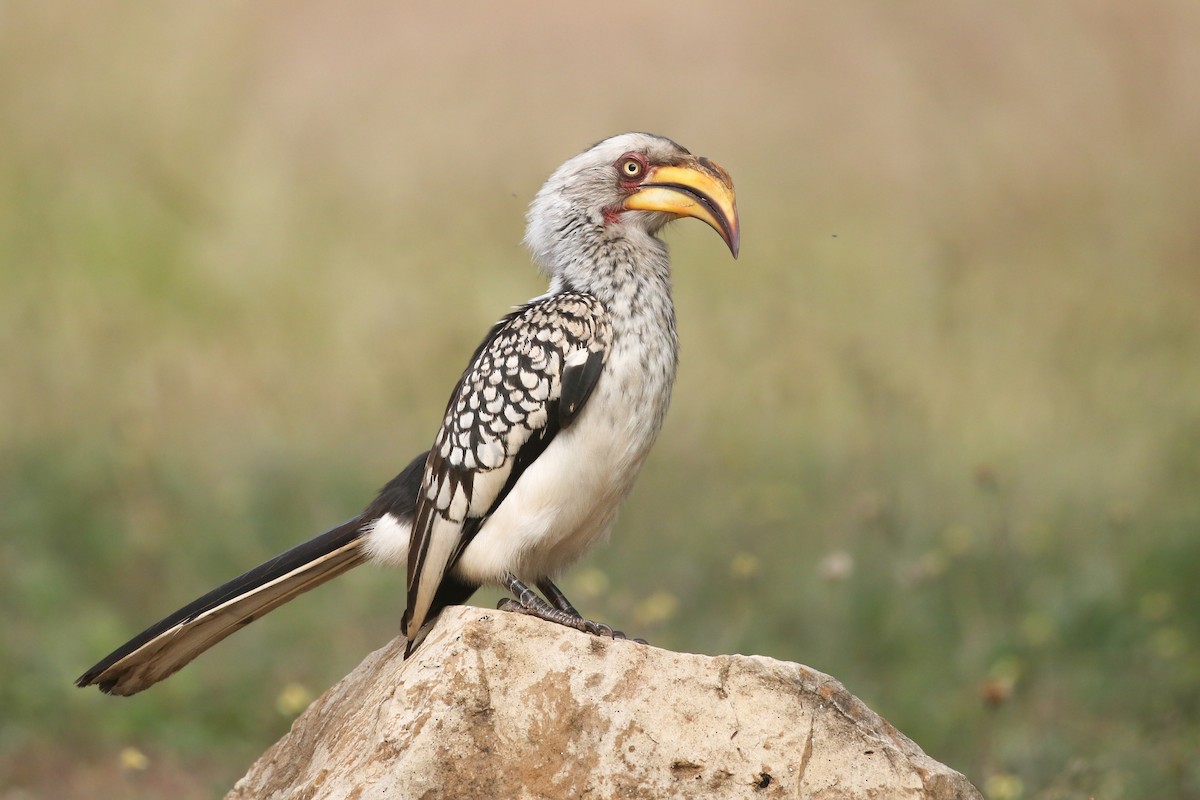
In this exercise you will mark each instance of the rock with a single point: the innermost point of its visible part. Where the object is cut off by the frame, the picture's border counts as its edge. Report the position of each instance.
(498, 705)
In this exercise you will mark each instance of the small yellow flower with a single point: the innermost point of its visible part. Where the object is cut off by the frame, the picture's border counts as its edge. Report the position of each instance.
(133, 760)
(743, 566)
(1009, 667)
(1037, 628)
(657, 608)
(293, 699)
(837, 566)
(589, 584)
(1003, 786)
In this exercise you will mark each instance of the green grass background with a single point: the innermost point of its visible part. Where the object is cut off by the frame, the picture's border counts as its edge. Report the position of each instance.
(936, 432)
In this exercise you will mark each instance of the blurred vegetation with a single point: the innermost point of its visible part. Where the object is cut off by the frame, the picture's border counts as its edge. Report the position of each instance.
(936, 433)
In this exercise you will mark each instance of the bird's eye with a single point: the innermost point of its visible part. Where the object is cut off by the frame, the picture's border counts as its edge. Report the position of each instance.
(631, 168)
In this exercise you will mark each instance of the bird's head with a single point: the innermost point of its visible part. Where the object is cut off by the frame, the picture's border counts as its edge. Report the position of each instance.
(627, 187)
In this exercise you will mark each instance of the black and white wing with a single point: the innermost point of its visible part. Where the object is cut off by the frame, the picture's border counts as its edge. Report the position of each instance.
(527, 381)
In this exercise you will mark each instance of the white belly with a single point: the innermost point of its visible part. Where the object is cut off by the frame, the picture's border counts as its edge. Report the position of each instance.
(565, 502)
(567, 499)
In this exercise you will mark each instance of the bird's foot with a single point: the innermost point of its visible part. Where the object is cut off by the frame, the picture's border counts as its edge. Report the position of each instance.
(550, 614)
(562, 612)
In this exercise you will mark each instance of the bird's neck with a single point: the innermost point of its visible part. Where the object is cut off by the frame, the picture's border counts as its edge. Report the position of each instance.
(629, 272)
(631, 276)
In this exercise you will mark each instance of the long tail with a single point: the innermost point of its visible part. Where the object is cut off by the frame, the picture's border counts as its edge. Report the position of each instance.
(169, 644)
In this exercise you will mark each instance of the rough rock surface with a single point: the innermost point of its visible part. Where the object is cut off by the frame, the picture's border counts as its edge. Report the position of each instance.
(498, 705)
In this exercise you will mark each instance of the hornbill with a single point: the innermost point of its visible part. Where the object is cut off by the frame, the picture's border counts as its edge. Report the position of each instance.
(542, 437)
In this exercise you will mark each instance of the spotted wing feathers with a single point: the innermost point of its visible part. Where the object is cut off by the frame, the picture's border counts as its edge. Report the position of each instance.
(528, 380)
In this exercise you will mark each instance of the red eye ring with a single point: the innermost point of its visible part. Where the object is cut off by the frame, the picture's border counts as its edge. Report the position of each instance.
(631, 167)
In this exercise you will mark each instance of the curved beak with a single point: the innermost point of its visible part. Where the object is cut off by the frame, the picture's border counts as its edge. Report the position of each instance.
(695, 188)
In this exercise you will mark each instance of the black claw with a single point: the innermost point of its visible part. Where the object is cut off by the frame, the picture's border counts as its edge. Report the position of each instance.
(598, 629)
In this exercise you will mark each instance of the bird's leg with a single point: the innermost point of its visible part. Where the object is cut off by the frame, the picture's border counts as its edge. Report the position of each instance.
(528, 602)
(556, 597)
(559, 600)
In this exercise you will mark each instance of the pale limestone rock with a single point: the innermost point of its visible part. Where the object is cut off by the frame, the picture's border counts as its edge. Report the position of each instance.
(498, 705)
